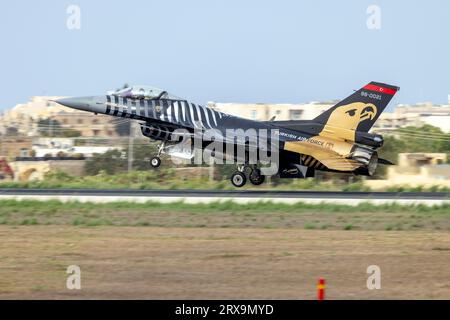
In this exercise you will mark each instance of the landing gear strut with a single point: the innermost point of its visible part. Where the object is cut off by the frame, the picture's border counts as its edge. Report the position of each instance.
(155, 162)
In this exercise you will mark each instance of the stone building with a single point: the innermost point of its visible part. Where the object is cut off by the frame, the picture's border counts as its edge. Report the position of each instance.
(266, 111)
(23, 119)
(416, 169)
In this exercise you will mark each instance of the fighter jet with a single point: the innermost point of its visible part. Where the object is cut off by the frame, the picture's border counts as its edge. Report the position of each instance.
(338, 140)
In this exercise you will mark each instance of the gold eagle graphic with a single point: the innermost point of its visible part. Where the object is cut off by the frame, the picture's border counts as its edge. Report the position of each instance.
(344, 120)
(350, 115)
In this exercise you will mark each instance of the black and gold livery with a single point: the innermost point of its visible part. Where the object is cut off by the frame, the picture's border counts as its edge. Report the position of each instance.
(337, 140)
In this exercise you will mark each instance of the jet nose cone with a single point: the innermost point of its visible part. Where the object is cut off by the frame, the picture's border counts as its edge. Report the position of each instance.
(81, 103)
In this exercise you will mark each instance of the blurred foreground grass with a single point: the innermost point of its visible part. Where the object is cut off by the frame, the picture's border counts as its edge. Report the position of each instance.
(227, 214)
(171, 179)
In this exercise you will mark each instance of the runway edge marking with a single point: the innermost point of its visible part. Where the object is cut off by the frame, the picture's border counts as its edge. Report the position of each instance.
(239, 200)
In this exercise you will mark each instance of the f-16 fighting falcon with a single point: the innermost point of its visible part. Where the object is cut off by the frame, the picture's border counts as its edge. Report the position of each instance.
(338, 140)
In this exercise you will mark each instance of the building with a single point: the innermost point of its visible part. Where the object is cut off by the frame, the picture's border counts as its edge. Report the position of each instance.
(416, 169)
(403, 115)
(11, 148)
(414, 115)
(52, 147)
(87, 124)
(267, 111)
(41, 147)
(23, 119)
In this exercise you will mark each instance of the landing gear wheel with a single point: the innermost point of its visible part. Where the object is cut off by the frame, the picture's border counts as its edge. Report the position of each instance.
(155, 162)
(256, 178)
(238, 179)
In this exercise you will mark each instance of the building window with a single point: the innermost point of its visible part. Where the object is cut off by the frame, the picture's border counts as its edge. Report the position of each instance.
(295, 114)
(96, 132)
(278, 112)
(254, 114)
(94, 121)
(79, 121)
(24, 152)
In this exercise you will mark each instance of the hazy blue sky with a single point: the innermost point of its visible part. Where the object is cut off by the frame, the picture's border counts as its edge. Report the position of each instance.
(226, 51)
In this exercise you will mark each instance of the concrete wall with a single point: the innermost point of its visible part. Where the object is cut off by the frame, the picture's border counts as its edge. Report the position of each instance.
(36, 170)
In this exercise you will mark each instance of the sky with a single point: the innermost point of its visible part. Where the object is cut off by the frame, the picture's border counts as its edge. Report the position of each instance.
(226, 50)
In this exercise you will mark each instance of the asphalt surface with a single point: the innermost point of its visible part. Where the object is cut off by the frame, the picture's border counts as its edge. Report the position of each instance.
(231, 194)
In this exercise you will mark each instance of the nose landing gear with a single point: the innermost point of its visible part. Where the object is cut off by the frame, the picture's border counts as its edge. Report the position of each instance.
(155, 162)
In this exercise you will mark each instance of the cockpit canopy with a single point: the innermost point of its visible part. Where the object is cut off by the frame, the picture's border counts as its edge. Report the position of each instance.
(143, 92)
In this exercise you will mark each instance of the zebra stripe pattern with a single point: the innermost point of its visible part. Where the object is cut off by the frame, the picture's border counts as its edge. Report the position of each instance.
(179, 112)
(311, 162)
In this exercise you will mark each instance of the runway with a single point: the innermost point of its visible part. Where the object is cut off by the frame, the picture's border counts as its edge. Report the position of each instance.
(239, 196)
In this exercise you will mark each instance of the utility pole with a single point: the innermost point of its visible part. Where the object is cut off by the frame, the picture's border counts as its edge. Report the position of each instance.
(211, 169)
(130, 147)
(52, 123)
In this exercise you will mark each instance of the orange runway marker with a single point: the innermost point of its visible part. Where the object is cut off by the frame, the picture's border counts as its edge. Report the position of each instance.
(321, 289)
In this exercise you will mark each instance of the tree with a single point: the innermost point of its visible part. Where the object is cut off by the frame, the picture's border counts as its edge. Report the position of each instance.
(48, 127)
(142, 153)
(12, 131)
(52, 128)
(424, 139)
(111, 162)
(413, 139)
(70, 133)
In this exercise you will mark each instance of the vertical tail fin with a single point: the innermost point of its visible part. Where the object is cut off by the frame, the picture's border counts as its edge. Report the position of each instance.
(360, 110)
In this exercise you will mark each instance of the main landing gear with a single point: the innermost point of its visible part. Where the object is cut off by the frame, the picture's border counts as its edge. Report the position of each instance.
(256, 177)
(239, 179)
(155, 162)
